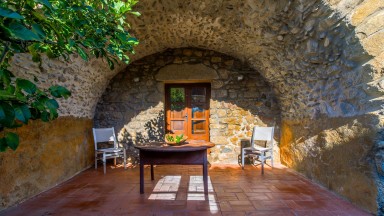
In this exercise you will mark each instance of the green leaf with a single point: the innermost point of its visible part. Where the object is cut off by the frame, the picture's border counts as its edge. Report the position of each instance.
(39, 16)
(12, 140)
(110, 64)
(26, 112)
(59, 91)
(10, 89)
(53, 114)
(38, 104)
(133, 41)
(21, 97)
(5, 76)
(46, 3)
(17, 48)
(19, 115)
(7, 114)
(36, 28)
(22, 113)
(51, 104)
(82, 53)
(45, 116)
(3, 144)
(5, 12)
(71, 43)
(35, 113)
(135, 13)
(6, 32)
(6, 95)
(26, 85)
(21, 32)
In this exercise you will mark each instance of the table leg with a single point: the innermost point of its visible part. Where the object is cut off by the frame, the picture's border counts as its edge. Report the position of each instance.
(205, 173)
(141, 178)
(152, 174)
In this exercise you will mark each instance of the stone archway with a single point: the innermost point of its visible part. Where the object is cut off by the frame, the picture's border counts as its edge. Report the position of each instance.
(323, 59)
(240, 99)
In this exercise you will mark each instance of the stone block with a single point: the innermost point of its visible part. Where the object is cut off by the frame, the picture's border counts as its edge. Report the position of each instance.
(234, 127)
(219, 140)
(216, 84)
(364, 10)
(223, 73)
(229, 63)
(187, 52)
(217, 126)
(233, 95)
(219, 93)
(221, 113)
(198, 53)
(234, 140)
(177, 60)
(216, 59)
(231, 121)
(374, 44)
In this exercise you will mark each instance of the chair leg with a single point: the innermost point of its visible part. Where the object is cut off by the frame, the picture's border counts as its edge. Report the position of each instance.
(104, 163)
(262, 160)
(242, 159)
(95, 160)
(114, 161)
(262, 167)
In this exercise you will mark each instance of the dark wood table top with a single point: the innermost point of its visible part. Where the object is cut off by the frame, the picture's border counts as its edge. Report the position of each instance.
(192, 145)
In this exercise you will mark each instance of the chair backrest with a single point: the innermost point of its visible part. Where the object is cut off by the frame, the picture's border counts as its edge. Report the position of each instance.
(104, 135)
(263, 134)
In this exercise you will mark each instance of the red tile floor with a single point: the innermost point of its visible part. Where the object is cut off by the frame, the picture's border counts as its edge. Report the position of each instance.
(178, 190)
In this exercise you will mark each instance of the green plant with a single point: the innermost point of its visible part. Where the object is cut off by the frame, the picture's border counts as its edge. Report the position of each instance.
(169, 138)
(56, 28)
(179, 138)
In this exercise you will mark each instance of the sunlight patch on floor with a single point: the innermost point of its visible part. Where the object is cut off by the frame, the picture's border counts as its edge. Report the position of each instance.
(196, 192)
(166, 188)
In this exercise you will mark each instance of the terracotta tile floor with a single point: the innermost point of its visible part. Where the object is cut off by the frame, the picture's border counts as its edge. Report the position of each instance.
(178, 190)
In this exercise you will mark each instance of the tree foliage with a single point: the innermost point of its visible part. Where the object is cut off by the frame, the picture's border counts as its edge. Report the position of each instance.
(56, 28)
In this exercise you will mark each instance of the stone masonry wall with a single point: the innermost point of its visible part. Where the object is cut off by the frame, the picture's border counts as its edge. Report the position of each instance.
(134, 100)
(324, 60)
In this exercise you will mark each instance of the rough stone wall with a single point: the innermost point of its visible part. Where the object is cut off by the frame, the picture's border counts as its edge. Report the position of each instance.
(240, 99)
(85, 80)
(324, 60)
(48, 154)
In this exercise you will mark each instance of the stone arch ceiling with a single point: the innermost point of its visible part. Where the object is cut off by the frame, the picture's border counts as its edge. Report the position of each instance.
(321, 57)
(308, 50)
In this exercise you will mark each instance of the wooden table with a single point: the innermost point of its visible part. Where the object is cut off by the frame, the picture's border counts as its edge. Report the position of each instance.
(191, 153)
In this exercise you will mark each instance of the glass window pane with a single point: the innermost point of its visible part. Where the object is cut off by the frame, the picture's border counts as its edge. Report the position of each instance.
(198, 111)
(198, 127)
(177, 95)
(177, 125)
(198, 94)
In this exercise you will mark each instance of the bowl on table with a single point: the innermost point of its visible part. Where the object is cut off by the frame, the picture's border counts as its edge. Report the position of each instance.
(175, 139)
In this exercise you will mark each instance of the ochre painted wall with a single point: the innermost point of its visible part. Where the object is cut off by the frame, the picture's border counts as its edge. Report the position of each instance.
(49, 153)
(336, 152)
